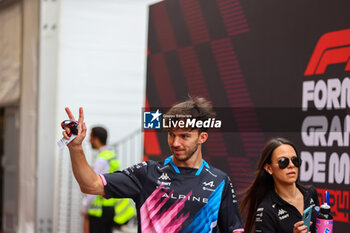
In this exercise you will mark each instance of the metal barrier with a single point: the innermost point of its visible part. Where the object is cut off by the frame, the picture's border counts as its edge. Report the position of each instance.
(68, 218)
(129, 150)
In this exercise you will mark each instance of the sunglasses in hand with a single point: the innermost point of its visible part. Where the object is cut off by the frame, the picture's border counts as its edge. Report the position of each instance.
(72, 125)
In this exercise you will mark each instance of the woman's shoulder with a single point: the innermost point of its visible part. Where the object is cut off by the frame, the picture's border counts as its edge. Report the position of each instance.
(267, 202)
(266, 211)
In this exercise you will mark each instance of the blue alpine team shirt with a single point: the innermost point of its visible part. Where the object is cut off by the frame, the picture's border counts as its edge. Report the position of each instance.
(177, 199)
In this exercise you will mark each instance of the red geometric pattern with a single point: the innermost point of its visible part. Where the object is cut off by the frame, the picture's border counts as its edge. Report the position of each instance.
(195, 21)
(233, 16)
(229, 84)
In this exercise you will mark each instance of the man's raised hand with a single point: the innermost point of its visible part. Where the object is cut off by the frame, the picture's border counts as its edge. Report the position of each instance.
(81, 128)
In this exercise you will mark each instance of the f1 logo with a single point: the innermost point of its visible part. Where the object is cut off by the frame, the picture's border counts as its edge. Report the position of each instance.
(331, 48)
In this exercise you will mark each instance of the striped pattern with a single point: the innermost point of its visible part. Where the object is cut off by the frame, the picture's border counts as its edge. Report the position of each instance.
(241, 103)
(241, 171)
(231, 74)
(162, 80)
(195, 22)
(193, 73)
(233, 17)
(163, 27)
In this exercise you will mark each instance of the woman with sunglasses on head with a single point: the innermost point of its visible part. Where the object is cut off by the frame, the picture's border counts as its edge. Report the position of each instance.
(274, 202)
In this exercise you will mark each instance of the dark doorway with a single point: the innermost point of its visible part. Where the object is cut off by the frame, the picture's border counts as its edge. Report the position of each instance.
(2, 123)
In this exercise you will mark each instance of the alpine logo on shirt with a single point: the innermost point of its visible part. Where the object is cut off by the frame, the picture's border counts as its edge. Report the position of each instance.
(208, 186)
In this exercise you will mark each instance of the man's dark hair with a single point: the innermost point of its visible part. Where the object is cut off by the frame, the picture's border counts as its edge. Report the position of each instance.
(100, 133)
(195, 107)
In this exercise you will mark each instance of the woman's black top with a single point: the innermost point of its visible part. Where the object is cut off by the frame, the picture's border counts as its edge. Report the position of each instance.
(275, 215)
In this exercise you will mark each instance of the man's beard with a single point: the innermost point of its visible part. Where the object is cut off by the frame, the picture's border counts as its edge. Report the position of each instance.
(187, 156)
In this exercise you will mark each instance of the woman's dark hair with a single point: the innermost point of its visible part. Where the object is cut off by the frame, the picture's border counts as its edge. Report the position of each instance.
(262, 184)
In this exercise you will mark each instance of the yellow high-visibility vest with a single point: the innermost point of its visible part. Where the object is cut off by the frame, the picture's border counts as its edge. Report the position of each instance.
(124, 208)
(96, 207)
(99, 201)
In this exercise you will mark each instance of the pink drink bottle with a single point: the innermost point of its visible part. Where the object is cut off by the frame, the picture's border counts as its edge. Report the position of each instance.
(324, 221)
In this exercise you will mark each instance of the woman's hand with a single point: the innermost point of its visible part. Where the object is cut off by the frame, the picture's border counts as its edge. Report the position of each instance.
(299, 227)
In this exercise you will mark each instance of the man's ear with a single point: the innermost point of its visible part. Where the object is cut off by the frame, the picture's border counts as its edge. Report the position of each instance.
(203, 136)
(267, 168)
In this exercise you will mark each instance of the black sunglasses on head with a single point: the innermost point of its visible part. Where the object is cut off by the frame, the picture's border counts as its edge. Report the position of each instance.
(284, 162)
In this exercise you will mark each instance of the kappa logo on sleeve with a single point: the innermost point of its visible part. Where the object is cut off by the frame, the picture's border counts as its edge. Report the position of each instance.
(331, 48)
(164, 180)
(164, 176)
(282, 214)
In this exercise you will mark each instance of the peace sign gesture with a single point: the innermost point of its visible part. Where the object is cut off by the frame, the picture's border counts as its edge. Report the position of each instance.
(81, 128)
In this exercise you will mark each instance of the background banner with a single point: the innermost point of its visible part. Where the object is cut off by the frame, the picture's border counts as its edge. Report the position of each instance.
(275, 68)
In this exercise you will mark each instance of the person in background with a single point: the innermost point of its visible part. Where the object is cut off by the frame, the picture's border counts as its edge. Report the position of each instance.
(275, 201)
(100, 214)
